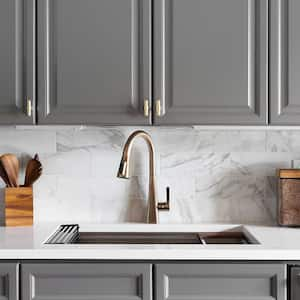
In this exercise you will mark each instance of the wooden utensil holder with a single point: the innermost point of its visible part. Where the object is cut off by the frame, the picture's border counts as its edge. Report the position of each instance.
(289, 197)
(18, 206)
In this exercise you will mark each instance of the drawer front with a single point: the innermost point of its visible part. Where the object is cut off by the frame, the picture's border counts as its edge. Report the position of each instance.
(9, 281)
(220, 282)
(86, 281)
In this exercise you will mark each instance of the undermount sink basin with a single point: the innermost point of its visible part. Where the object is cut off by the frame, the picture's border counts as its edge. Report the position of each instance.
(162, 238)
(70, 234)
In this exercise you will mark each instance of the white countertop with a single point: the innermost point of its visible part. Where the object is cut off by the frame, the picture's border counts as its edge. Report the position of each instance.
(275, 243)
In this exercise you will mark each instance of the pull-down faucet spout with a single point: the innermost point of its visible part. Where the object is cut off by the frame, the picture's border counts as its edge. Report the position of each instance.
(153, 205)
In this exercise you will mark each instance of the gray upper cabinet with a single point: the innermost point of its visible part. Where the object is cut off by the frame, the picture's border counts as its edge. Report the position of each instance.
(93, 61)
(69, 281)
(284, 62)
(17, 52)
(220, 281)
(9, 278)
(210, 61)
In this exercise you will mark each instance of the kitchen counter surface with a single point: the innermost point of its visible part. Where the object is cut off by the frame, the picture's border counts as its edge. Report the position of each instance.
(275, 243)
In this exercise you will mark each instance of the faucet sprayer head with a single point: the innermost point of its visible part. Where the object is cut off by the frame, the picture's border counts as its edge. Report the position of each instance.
(123, 171)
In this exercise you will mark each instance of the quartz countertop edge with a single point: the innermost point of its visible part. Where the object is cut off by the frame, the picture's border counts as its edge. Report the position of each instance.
(275, 243)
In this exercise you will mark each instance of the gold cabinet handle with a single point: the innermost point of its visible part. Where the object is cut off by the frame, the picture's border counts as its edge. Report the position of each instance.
(29, 108)
(158, 107)
(146, 108)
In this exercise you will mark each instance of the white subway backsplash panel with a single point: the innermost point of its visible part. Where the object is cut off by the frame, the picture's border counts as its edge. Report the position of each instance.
(214, 175)
(27, 141)
(283, 141)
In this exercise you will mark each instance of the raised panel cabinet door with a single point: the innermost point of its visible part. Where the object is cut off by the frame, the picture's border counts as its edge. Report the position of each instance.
(93, 61)
(284, 62)
(210, 62)
(295, 283)
(17, 52)
(9, 281)
(66, 281)
(220, 281)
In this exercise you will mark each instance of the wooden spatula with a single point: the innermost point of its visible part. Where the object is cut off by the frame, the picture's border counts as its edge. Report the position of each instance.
(33, 171)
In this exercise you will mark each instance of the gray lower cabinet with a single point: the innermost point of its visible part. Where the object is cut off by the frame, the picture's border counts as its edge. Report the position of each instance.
(17, 52)
(54, 281)
(295, 283)
(210, 61)
(9, 281)
(137, 281)
(93, 61)
(220, 281)
(284, 62)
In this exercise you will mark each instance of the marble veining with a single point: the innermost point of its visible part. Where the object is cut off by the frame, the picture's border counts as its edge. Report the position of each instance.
(216, 175)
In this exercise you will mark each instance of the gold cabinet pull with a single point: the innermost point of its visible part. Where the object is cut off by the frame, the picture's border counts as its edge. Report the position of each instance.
(146, 108)
(29, 108)
(158, 107)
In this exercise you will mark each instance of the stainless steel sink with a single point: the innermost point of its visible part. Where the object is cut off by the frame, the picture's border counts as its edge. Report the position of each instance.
(70, 234)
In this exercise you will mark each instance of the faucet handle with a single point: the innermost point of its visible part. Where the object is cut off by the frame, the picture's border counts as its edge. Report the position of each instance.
(165, 205)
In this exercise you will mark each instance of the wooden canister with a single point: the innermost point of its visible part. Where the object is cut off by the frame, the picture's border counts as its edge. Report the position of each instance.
(18, 206)
(289, 197)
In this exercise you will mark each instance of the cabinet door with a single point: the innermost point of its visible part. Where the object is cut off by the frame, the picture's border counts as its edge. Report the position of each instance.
(9, 289)
(86, 281)
(220, 281)
(285, 62)
(93, 61)
(295, 283)
(16, 61)
(210, 63)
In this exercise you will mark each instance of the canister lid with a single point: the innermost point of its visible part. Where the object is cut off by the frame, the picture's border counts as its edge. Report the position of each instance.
(288, 173)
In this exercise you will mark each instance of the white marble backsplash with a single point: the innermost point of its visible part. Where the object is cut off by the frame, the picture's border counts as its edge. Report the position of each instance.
(225, 176)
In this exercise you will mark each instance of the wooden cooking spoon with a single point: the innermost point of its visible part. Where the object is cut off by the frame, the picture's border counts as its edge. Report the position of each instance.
(11, 165)
(4, 175)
